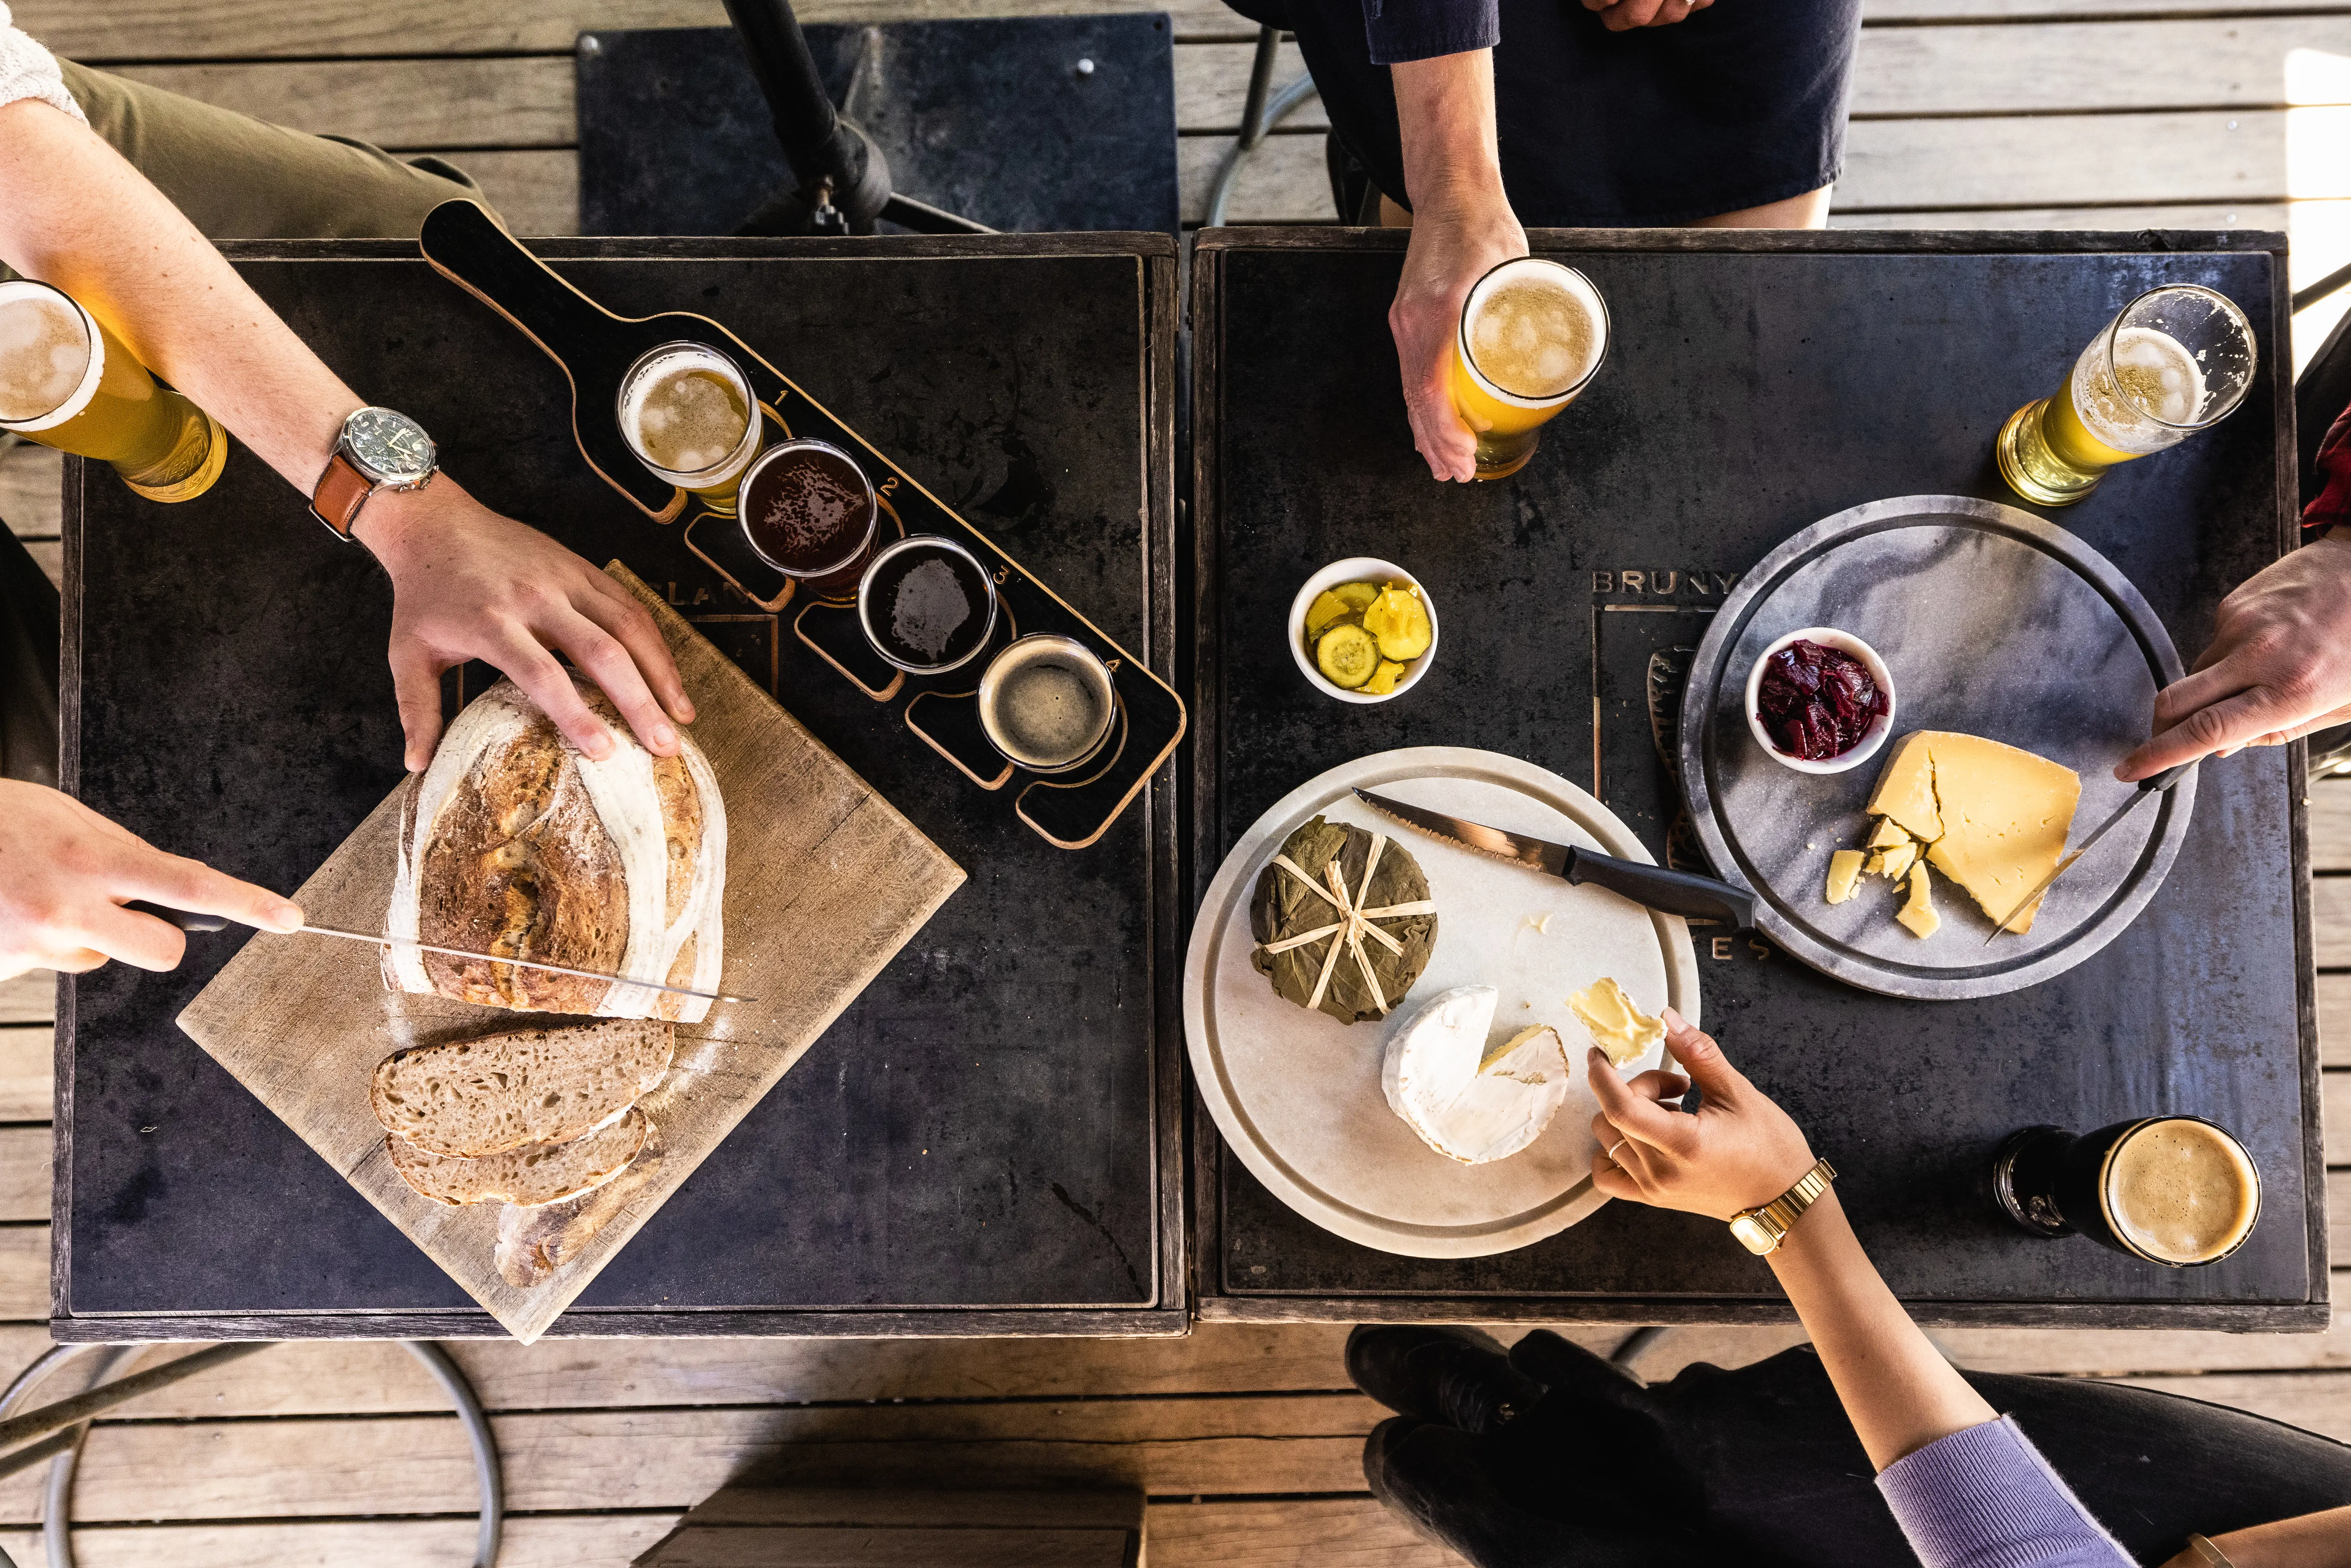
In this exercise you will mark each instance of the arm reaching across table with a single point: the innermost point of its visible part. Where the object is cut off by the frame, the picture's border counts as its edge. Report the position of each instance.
(467, 583)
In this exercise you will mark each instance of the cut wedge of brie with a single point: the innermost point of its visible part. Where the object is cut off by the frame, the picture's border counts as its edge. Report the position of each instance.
(1618, 1027)
(1466, 1102)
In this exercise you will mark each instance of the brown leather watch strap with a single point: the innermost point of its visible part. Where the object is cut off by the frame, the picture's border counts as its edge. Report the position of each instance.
(343, 490)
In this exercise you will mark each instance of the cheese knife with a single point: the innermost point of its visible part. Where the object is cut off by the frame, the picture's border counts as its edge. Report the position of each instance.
(2148, 787)
(188, 921)
(1652, 887)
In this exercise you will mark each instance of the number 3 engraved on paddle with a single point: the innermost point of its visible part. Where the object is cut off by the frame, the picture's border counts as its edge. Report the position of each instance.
(1003, 573)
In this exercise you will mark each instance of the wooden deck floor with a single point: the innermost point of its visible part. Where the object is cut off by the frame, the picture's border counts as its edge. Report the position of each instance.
(1995, 113)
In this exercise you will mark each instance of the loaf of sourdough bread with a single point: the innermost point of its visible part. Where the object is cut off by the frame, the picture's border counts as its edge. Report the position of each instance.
(476, 1097)
(527, 1176)
(515, 843)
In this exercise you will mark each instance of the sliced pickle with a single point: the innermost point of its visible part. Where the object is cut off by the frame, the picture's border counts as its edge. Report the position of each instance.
(1347, 656)
(1357, 594)
(1400, 622)
(1327, 608)
(1383, 679)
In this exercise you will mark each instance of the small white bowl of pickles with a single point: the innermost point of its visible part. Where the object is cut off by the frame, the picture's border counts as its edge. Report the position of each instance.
(1362, 630)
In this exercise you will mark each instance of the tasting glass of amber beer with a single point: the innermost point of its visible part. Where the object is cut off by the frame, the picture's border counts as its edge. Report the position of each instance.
(66, 382)
(688, 412)
(2174, 1190)
(1533, 336)
(2178, 359)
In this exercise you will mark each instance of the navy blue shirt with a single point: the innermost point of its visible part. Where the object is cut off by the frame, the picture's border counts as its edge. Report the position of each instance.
(1401, 30)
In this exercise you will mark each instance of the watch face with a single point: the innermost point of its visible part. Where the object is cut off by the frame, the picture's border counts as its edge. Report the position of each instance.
(1754, 1233)
(392, 444)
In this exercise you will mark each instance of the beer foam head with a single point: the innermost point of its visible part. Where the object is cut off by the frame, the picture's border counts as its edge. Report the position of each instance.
(1534, 329)
(2155, 372)
(44, 351)
(2181, 1191)
(686, 409)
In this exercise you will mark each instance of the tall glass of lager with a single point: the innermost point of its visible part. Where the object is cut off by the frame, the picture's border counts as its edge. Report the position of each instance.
(688, 412)
(2178, 359)
(2174, 1190)
(1533, 336)
(66, 382)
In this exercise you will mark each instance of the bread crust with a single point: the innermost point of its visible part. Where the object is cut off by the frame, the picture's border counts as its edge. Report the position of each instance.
(529, 1177)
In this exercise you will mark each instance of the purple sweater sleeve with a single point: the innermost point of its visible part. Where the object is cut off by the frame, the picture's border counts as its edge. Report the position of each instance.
(1401, 30)
(1984, 1497)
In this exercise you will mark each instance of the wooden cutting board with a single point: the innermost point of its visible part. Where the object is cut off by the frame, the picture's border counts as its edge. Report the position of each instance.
(825, 881)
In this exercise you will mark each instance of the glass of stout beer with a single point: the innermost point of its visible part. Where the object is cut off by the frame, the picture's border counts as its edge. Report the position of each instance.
(688, 412)
(66, 382)
(1048, 703)
(1533, 336)
(926, 604)
(2176, 360)
(2174, 1190)
(809, 510)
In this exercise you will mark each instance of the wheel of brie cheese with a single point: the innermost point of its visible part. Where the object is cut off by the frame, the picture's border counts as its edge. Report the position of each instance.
(1468, 1102)
(515, 843)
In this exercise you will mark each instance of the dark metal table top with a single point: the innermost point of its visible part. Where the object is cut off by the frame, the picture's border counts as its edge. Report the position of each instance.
(1756, 384)
(973, 1146)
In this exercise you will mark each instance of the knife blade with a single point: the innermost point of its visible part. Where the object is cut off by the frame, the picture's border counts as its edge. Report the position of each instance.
(1652, 887)
(2148, 787)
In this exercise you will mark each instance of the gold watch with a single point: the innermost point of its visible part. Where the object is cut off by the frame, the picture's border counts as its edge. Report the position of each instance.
(1760, 1230)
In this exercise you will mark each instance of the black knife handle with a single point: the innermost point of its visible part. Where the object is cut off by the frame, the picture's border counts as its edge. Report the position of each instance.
(186, 920)
(1670, 891)
(2165, 779)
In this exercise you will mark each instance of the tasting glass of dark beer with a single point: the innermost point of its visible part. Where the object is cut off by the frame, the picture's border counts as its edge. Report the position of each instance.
(2174, 1190)
(1048, 703)
(809, 510)
(926, 604)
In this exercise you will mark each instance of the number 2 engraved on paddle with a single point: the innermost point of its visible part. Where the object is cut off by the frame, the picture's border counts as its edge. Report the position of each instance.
(890, 484)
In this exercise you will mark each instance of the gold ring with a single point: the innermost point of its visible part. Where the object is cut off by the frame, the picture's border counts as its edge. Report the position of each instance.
(1611, 1156)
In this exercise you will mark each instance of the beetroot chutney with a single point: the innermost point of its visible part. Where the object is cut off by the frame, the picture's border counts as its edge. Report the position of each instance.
(1817, 702)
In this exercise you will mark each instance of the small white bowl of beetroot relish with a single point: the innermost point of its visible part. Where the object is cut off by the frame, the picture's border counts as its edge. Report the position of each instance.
(1833, 701)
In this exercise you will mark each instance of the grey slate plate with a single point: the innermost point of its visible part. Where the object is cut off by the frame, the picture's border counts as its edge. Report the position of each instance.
(1992, 622)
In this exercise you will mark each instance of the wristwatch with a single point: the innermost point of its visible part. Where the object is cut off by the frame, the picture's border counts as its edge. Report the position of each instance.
(1760, 1230)
(378, 449)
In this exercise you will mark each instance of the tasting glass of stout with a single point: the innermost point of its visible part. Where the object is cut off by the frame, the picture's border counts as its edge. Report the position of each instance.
(1048, 703)
(687, 412)
(926, 604)
(808, 509)
(2174, 1190)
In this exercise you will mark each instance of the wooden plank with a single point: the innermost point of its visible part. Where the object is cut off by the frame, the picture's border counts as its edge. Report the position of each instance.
(1212, 83)
(28, 1069)
(23, 1273)
(2334, 1114)
(2330, 824)
(2202, 62)
(869, 1546)
(25, 1174)
(529, 1541)
(2183, 215)
(2120, 1351)
(29, 998)
(2330, 921)
(2339, 1219)
(1284, 181)
(123, 30)
(2334, 1021)
(30, 478)
(1880, 12)
(2218, 155)
(396, 104)
(582, 1460)
(2317, 1402)
(538, 193)
(1329, 1532)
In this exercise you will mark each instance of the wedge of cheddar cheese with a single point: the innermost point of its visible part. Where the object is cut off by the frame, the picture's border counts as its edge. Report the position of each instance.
(1993, 818)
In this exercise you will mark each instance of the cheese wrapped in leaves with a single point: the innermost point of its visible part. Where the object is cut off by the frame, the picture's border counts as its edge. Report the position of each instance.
(1382, 931)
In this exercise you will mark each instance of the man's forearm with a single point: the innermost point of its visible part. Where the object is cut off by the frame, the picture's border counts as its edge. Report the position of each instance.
(74, 214)
(1444, 112)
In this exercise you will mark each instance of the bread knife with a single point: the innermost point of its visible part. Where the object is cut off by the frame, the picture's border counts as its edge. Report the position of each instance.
(1651, 886)
(2153, 785)
(188, 921)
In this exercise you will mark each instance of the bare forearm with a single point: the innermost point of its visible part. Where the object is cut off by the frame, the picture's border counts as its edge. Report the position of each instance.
(74, 213)
(1444, 112)
(1898, 1390)
(2312, 1541)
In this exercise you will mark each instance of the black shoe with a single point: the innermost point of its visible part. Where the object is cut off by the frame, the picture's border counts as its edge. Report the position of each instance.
(1454, 1376)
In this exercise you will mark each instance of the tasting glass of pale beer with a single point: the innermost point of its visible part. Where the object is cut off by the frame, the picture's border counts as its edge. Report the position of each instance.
(688, 412)
(2178, 359)
(1532, 335)
(66, 382)
(2174, 1190)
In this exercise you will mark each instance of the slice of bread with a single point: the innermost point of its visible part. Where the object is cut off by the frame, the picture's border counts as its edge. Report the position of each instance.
(527, 1178)
(533, 1243)
(471, 1098)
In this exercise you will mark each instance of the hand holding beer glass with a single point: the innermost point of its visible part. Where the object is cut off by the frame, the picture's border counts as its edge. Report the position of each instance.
(66, 382)
(1532, 335)
(2177, 359)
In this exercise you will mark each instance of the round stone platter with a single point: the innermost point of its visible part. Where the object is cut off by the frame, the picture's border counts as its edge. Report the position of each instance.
(1992, 622)
(1297, 1094)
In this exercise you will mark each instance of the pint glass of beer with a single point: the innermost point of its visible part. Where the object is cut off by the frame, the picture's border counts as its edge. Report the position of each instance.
(2178, 359)
(1533, 336)
(688, 412)
(2174, 1190)
(66, 382)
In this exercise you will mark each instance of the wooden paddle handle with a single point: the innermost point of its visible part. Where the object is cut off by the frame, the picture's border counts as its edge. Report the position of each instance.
(465, 245)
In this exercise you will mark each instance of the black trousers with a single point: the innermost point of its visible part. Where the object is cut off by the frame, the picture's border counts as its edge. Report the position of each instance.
(1760, 1467)
(28, 665)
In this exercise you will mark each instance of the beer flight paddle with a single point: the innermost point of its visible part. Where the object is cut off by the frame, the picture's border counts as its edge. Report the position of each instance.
(1070, 808)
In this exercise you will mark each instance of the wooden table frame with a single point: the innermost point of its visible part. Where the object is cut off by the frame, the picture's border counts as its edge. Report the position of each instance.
(1214, 1304)
(1170, 1315)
